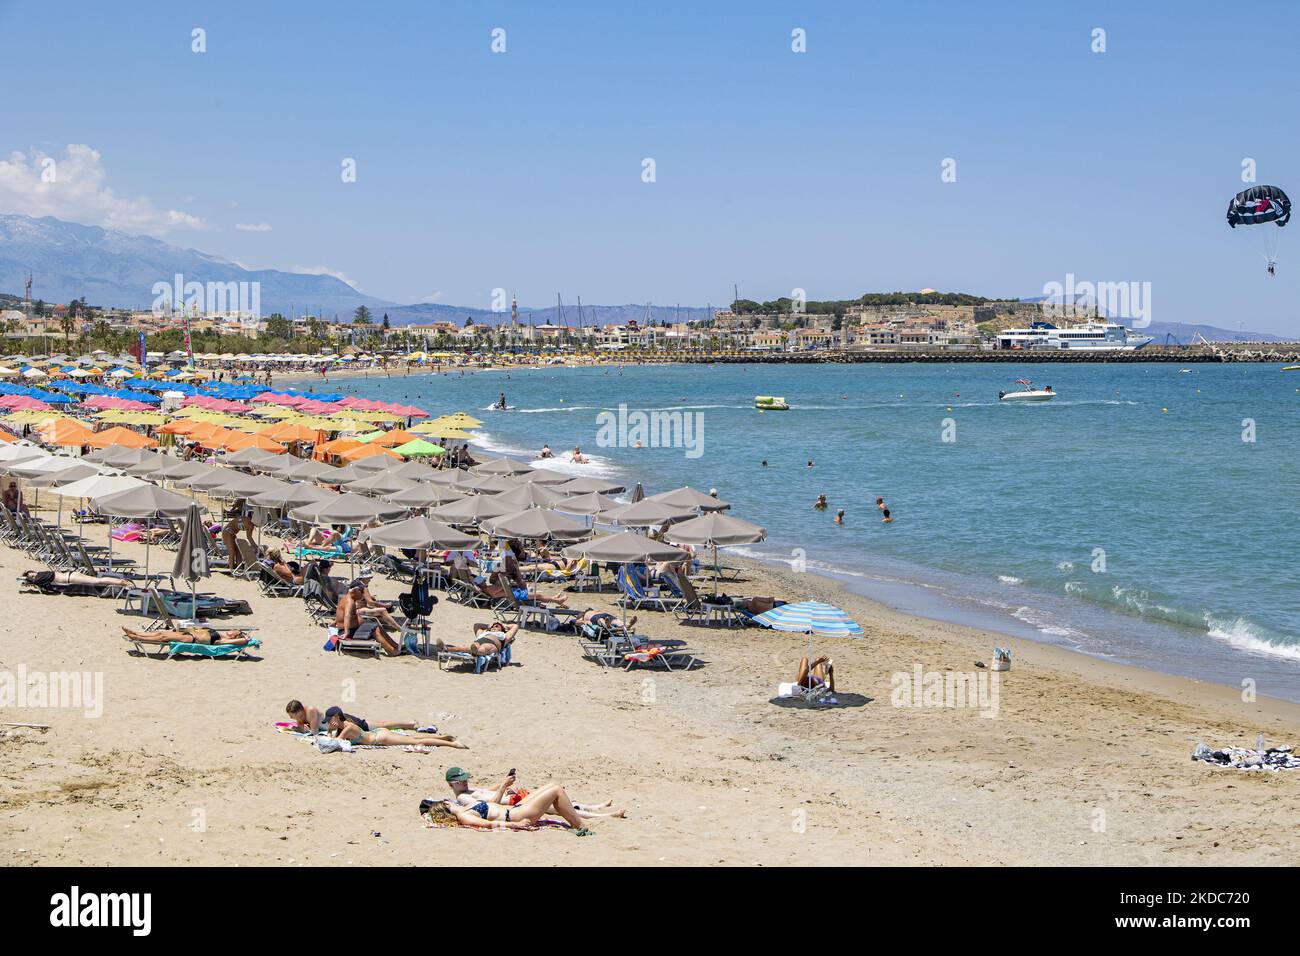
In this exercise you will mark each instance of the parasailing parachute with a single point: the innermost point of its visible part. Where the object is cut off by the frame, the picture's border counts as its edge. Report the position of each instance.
(1258, 206)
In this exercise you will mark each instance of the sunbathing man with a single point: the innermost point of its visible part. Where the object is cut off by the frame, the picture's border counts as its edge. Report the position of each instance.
(372, 606)
(525, 815)
(821, 671)
(322, 539)
(507, 795)
(488, 639)
(45, 579)
(496, 589)
(339, 726)
(350, 613)
(605, 619)
(189, 635)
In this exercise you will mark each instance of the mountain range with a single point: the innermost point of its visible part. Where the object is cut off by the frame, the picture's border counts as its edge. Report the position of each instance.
(105, 267)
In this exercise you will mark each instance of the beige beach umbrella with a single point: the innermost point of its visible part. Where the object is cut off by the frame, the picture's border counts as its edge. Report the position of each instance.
(502, 466)
(145, 503)
(544, 476)
(644, 514)
(688, 497)
(626, 547)
(413, 470)
(536, 523)
(487, 484)
(714, 530)
(530, 496)
(348, 508)
(470, 510)
(291, 496)
(420, 534)
(249, 458)
(593, 502)
(585, 485)
(424, 495)
(380, 484)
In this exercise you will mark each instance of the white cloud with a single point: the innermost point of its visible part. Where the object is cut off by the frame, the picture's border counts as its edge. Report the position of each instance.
(73, 188)
(253, 226)
(323, 271)
(433, 297)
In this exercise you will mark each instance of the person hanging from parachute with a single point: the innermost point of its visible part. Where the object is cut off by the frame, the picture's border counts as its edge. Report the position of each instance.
(1257, 206)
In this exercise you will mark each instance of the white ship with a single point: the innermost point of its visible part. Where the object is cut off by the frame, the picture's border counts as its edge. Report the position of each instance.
(1094, 336)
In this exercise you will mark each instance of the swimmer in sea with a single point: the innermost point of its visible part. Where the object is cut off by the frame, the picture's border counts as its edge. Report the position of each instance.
(810, 464)
(820, 504)
(888, 518)
(839, 516)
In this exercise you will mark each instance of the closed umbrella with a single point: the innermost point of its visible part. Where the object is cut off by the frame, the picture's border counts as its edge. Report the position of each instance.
(536, 523)
(626, 547)
(420, 534)
(192, 554)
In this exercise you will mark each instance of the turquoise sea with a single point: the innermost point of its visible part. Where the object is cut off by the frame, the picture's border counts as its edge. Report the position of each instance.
(1128, 519)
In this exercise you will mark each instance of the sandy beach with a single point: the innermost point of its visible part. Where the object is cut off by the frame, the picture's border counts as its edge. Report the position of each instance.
(1085, 762)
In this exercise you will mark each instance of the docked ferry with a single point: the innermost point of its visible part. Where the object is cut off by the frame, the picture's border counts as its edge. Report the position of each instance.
(1092, 336)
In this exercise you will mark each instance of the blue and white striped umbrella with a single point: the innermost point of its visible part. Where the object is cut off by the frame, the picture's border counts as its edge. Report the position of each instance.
(811, 617)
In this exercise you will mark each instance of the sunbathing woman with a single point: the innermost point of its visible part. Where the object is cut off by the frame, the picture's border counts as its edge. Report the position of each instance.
(550, 799)
(341, 727)
(488, 639)
(45, 579)
(507, 795)
(189, 635)
(821, 671)
(322, 539)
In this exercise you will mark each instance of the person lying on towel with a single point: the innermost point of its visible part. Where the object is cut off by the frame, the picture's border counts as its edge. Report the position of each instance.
(344, 729)
(189, 635)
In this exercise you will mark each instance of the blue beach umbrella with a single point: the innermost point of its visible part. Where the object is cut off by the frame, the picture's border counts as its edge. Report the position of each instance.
(811, 617)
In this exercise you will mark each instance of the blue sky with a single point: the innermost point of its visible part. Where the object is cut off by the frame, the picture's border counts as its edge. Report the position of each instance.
(775, 170)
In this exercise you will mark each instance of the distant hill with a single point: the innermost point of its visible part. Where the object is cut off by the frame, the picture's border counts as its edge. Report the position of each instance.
(109, 268)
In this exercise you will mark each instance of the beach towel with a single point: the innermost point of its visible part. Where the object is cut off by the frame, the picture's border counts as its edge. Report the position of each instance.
(1243, 758)
(209, 650)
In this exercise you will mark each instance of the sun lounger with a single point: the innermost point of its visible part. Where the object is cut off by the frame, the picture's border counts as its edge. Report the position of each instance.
(272, 585)
(636, 595)
(174, 648)
(480, 663)
(360, 641)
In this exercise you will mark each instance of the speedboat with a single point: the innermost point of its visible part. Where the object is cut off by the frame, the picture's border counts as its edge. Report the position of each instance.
(771, 403)
(1027, 393)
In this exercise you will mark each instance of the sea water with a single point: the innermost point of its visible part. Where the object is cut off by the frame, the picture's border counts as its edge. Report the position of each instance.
(1145, 515)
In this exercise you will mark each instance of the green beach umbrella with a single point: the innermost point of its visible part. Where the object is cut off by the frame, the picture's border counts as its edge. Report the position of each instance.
(419, 448)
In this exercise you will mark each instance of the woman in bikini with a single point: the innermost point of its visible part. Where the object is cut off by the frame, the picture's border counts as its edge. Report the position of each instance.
(45, 579)
(189, 635)
(344, 729)
(549, 800)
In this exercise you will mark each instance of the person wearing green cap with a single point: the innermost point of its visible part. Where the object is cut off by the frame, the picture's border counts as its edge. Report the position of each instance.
(478, 799)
